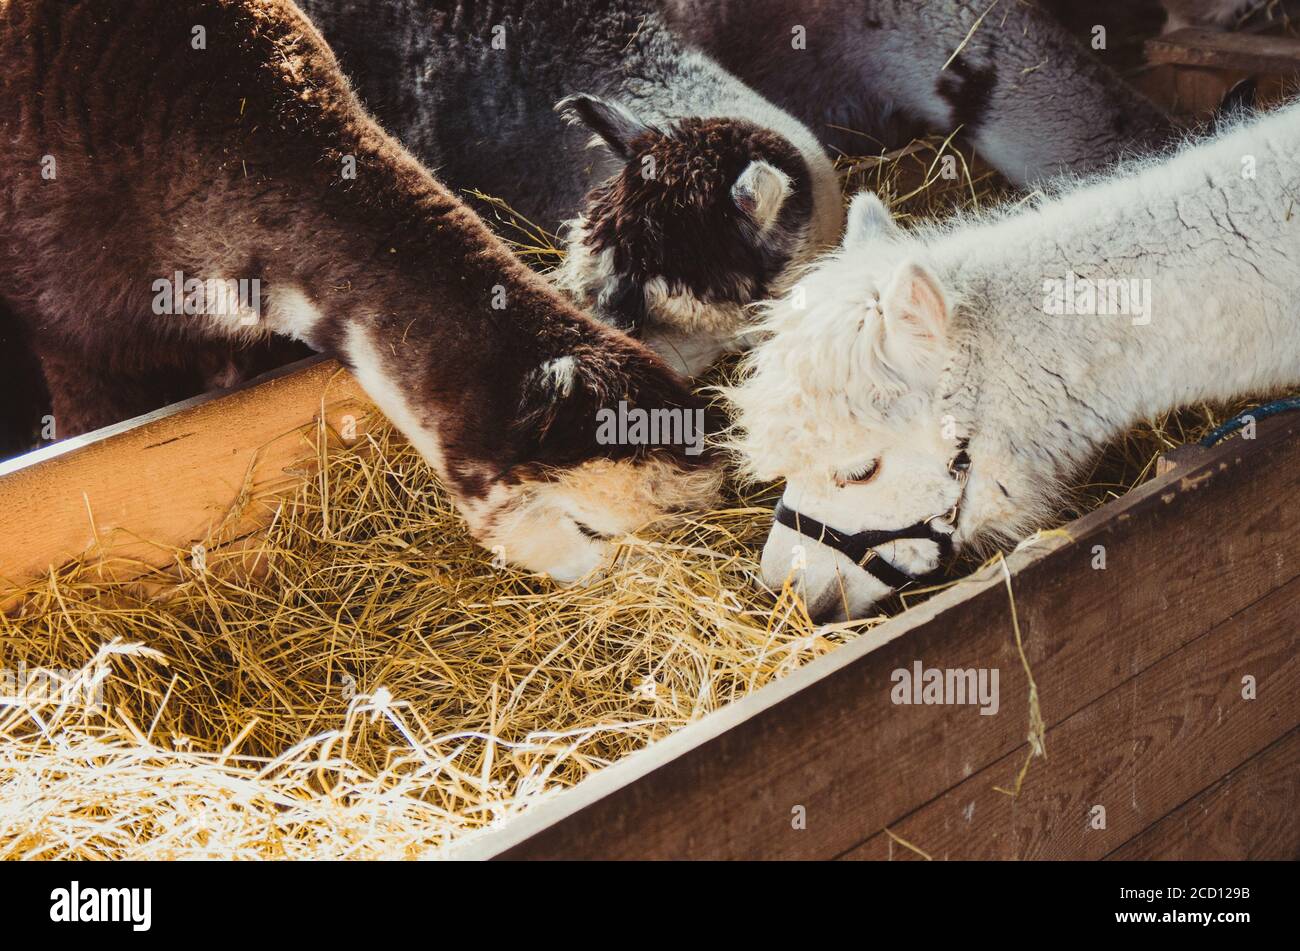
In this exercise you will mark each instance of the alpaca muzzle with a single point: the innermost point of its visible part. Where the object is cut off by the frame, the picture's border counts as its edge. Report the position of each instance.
(860, 548)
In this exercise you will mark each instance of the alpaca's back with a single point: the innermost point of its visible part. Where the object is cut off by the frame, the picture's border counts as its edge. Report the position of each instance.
(1233, 192)
(470, 87)
(1134, 286)
(865, 73)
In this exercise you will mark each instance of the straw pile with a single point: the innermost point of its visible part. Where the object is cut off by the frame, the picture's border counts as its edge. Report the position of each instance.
(360, 681)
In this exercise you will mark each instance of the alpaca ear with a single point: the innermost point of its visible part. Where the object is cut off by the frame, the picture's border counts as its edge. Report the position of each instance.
(621, 304)
(568, 404)
(760, 192)
(915, 310)
(614, 125)
(557, 408)
(869, 218)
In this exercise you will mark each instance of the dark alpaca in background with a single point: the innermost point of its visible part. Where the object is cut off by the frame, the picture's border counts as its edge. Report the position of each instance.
(469, 87)
(867, 74)
(726, 195)
(218, 139)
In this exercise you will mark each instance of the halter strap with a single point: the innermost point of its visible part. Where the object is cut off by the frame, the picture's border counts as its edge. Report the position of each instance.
(859, 548)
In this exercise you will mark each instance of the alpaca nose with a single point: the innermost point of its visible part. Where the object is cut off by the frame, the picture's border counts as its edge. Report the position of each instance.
(828, 610)
(784, 557)
(788, 556)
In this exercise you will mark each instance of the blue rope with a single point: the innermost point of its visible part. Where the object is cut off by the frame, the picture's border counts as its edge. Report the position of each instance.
(1261, 412)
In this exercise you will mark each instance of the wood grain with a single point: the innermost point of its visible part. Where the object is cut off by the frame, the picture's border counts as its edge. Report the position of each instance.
(1190, 72)
(1147, 746)
(1249, 53)
(1188, 91)
(1236, 818)
(140, 490)
(1184, 553)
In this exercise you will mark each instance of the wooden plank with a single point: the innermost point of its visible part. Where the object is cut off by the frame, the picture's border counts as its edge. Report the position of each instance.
(162, 481)
(1138, 752)
(1199, 92)
(1247, 53)
(1189, 72)
(1236, 818)
(1189, 91)
(1183, 553)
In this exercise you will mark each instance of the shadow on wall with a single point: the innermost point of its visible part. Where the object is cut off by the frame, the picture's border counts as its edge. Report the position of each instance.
(1128, 23)
(25, 421)
(24, 401)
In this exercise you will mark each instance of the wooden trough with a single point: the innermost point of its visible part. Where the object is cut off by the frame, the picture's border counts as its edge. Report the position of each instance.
(1167, 680)
(1191, 70)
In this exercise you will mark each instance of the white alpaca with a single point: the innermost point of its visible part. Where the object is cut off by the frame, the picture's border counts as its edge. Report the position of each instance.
(1029, 338)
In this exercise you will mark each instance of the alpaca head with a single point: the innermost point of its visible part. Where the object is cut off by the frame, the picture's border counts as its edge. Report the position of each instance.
(555, 447)
(604, 441)
(846, 401)
(702, 218)
(570, 523)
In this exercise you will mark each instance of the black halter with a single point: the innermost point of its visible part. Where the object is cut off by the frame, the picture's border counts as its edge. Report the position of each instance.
(859, 548)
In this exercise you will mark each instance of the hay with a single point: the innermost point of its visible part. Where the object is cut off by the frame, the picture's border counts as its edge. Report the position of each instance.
(1037, 736)
(359, 680)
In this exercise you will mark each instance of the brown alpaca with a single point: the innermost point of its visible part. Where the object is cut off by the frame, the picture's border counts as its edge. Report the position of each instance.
(24, 402)
(216, 141)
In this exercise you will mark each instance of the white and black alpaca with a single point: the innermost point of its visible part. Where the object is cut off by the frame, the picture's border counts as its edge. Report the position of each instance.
(986, 361)
(1028, 96)
(703, 198)
(219, 140)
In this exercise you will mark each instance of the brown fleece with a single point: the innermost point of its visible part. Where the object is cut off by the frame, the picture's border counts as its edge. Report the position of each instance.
(228, 163)
(24, 401)
(681, 223)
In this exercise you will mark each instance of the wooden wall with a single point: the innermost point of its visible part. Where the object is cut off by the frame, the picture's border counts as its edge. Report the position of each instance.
(145, 489)
(1140, 669)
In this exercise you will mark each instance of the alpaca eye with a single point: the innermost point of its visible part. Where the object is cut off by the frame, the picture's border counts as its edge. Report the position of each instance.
(590, 532)
(860, 477)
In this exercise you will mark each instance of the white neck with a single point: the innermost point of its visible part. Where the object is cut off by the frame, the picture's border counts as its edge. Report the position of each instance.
(1211, 239)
